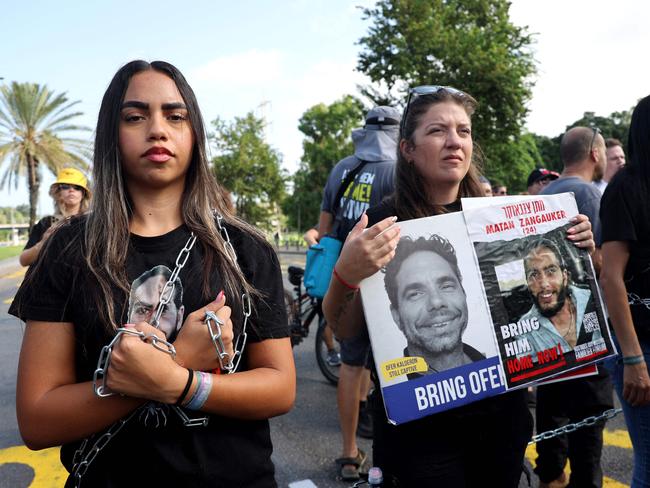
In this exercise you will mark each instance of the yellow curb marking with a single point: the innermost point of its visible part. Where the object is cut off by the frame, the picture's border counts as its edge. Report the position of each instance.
(48, 470)
(615, 438)
(16, 274)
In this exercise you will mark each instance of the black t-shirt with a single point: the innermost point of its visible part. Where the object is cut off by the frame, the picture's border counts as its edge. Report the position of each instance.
(415, 451)
(229, 451)
(36, 234)
(625, 216)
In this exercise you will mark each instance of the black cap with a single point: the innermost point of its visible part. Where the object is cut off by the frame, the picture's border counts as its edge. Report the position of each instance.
(541, 174)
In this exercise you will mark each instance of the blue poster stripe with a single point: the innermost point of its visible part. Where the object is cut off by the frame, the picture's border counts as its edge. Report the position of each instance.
(434, 393)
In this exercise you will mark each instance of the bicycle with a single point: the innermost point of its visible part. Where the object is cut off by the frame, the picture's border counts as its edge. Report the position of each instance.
(302, 310)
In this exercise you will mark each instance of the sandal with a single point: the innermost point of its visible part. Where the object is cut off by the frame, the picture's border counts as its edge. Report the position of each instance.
(349, 467)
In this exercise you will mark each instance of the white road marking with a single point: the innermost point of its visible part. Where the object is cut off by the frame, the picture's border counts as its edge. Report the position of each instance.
(302, 484)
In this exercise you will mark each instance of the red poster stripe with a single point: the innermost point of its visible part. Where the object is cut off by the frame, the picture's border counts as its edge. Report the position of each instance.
(538, 371)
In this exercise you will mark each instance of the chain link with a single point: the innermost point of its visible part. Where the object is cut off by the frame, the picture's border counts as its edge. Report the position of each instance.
(240, 343)
(567, 429)
(634, 299)
(81, 464)
(168, 290)
(225, 362)
(100, 374)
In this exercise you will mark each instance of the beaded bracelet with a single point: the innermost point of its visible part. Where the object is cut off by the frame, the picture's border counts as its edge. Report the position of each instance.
(202, 391)
(343, 282)
(186, 390)
(631, 360)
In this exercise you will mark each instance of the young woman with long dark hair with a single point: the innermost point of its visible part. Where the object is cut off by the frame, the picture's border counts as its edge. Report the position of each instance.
(159, 243)
(625, 279)
(480, 444)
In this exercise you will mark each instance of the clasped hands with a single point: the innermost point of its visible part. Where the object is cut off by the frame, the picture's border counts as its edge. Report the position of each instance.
(139, 370)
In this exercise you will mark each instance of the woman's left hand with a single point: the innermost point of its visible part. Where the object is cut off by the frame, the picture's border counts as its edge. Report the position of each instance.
(580, 233)
(139, 369)
(194, 345)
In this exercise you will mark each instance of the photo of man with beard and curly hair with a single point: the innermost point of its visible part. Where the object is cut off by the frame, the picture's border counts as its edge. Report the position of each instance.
(558, 305)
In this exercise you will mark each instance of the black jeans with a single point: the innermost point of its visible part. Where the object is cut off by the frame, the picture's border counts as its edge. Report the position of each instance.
(568, 402)
(481, 444)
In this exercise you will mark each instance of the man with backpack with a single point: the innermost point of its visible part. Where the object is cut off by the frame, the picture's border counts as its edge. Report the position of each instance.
(355, 184)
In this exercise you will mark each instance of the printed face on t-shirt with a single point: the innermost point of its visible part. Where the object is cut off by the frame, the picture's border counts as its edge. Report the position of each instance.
(144, 300)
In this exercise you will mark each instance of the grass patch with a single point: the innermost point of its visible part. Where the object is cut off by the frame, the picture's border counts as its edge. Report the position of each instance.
(10, 251)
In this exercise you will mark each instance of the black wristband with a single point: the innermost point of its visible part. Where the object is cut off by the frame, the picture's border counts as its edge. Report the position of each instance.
(190, 377)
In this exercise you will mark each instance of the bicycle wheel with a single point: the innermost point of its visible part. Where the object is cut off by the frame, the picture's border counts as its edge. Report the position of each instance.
(329, 370)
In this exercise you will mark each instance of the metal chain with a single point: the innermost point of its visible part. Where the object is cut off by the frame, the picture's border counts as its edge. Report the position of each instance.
(100, 374)
(81, 465)
(168, 290)
(240, 343)
(634, 299)
(225, 362)
(567, 429)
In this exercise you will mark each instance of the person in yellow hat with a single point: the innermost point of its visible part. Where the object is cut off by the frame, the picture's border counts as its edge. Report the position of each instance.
(71, 196)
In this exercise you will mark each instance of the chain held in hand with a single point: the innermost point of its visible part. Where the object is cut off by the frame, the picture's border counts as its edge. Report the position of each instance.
(101, 373)
(214, 323)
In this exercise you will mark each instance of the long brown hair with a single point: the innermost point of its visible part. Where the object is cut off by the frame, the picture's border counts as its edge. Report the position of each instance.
(410, 196)
(107, 232)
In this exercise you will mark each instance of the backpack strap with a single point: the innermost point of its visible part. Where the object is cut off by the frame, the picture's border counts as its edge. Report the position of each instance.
(349, 179)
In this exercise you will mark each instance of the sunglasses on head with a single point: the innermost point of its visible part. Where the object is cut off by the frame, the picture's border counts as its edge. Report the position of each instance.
(425, 90)
(593, 138)
(65, 186)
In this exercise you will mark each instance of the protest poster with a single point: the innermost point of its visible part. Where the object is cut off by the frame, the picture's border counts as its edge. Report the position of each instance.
(541, 290)
(429, 323)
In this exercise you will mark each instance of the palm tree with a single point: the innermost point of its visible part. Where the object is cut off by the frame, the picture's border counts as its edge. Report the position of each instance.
(32, 119)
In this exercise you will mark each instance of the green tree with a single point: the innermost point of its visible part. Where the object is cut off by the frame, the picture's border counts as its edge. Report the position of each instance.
(549, 149)
(249, 168)
(10, 215)
(469, 44)
(22, 209)
(33, 121)
(615, 125)
(524, 157)
(327, 140)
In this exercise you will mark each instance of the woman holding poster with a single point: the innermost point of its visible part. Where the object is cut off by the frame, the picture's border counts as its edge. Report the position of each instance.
(625, 279)
(436, 166)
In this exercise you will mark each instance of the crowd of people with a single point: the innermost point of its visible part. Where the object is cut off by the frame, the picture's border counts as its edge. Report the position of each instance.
(155, 326)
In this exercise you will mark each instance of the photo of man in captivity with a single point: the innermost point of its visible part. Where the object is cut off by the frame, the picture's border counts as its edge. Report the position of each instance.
(145, 296)
(428, 302)
(563, 310)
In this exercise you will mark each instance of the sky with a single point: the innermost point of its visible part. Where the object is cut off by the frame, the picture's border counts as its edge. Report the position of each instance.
(280, 58)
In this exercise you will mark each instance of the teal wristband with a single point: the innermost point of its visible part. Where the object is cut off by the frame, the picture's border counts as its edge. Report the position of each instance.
(631, 360)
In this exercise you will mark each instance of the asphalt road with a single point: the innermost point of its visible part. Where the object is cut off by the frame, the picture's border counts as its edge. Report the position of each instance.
(306, 440)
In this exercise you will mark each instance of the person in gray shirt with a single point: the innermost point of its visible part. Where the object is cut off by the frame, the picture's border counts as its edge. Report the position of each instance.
(375, 146)
(584, 157)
